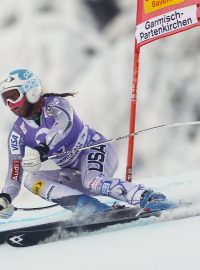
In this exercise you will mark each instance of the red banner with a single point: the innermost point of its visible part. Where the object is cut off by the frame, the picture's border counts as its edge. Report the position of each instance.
(160, 18)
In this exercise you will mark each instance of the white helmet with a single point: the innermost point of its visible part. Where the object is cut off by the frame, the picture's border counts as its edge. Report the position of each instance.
(22, 82)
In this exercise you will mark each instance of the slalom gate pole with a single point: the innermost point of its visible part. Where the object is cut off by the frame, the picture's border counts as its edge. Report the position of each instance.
(133, 113)
(136, 62)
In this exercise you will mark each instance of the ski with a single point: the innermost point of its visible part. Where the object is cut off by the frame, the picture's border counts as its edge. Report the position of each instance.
(30, 236)
(42, 233)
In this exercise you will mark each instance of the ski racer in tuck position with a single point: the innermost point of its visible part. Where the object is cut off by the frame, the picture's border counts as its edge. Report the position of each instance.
(47, 125)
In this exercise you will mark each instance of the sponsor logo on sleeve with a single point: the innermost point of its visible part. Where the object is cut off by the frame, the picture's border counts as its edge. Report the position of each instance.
(16, 170)
(14, 143)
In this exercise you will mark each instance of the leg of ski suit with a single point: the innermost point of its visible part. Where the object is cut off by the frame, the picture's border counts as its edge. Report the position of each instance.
(97, 168)
(60, 186)
(94, 178)
(55, 184)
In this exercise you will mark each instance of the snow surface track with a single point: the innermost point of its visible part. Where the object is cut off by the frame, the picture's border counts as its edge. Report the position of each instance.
(167, 242)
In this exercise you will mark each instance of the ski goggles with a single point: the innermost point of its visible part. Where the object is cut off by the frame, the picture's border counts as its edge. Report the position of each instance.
(13, 95)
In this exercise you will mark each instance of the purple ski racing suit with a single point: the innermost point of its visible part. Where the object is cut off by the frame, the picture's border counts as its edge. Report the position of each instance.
(89, 171)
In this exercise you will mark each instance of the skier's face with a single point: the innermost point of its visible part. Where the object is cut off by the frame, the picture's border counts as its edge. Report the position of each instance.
(19, 105)
(28, 110)
(22, 110)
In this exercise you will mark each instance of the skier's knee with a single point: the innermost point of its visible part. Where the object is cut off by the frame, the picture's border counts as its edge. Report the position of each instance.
(33, 184)
(28, 180)
(94, 185)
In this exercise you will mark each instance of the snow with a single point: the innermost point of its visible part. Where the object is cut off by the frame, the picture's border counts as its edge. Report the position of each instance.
(151, 248)
(168, 242)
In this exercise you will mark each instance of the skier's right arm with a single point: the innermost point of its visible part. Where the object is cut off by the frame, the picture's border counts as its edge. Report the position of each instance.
(12, 184)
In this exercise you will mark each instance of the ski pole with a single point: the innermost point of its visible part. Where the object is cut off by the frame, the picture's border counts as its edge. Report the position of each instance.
(125, 137)
(35, 208)
(106, 142)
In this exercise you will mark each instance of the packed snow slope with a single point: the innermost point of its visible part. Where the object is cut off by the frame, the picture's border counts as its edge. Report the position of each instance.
(163, 243)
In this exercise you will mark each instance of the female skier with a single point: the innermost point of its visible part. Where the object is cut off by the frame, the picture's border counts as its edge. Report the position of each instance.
(48, 126)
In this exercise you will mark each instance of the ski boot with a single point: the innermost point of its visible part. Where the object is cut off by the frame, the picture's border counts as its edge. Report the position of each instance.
(155, 202)
(83, 204)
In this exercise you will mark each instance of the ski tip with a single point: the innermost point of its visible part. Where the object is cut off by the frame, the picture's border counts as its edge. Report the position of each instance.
(26, 238)
(16, 239)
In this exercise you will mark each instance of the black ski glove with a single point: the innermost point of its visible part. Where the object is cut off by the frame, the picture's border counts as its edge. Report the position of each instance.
(43, 150)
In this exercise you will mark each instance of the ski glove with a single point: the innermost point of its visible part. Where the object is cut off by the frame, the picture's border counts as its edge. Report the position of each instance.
(6, 208)
(43, 149)
(34, 157)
